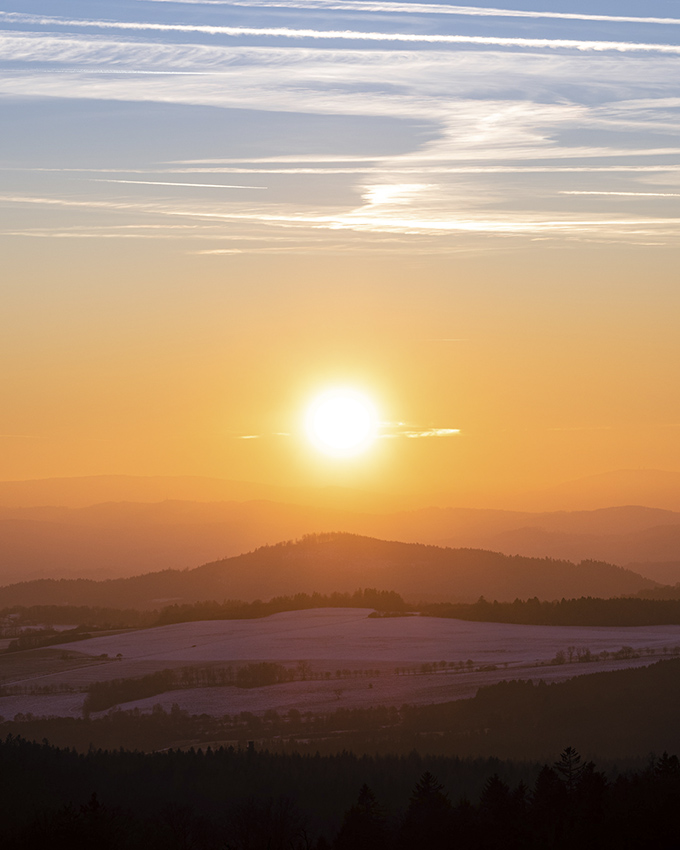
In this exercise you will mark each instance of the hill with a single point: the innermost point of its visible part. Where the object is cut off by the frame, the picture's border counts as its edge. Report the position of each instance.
(327, 563)
(120, 539)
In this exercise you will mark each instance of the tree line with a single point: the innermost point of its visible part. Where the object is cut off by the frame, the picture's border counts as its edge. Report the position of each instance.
(369, 597)
(22, 622)
(247, 800)
(622, 713)
(36, 620)
(103, 695)
(586, 611)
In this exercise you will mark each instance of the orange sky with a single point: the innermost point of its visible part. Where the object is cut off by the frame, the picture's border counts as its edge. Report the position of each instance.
(211, 213)
(554, 362)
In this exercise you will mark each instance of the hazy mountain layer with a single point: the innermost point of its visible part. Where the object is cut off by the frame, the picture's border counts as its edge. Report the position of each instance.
(124, 539)
(342, 562)
(653, 487)
(92, 490)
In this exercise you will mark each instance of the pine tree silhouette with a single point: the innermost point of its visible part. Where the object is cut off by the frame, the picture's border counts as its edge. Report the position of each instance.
(549, 808)
(495, 808)
(569, 767)
(364, 826)
(667, 768)
(428, 819)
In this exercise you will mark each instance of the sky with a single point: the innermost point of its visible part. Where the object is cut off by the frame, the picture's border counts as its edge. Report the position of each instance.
(211, 212)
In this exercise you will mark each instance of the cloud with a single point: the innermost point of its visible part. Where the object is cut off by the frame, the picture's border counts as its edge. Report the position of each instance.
(347, 35)
(387, 431)
(393, 167)
(623, 194)
(412, 84)
(69, 202)
(391, 430)
(387, 218)
(543, 113)
(431, 432)
(162, 183)
(81, 234)
(421, 9)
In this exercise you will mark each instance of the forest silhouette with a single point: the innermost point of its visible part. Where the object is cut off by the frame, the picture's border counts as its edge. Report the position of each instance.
(249, 800)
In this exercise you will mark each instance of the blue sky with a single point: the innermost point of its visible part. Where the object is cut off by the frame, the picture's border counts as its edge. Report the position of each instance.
(531, 120)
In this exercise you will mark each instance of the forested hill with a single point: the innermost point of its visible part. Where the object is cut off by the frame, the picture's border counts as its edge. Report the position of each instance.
(326, 563)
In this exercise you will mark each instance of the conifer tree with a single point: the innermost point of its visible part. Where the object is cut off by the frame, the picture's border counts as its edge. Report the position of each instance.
(364, 826)
(549, 807)
(569, 767)
(428, 819)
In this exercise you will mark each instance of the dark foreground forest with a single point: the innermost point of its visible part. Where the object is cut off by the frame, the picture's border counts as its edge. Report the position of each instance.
(229, 799)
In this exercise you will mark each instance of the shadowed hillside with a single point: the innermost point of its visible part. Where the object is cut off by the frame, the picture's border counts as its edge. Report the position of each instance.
(340, 562)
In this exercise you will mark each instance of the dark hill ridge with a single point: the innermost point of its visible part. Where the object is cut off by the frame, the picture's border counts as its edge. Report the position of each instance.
(326, 563)
(123, 539)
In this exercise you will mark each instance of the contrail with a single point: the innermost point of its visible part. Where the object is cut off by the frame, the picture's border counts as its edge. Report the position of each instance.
(421, 8)
(162, 183)
(350, 35)
(624, 194)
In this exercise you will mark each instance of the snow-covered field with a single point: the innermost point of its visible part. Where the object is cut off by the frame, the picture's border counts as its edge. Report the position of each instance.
(337, 634)
(331, 639)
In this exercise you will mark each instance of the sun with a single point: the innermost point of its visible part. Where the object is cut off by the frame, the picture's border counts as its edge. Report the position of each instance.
(341, 422)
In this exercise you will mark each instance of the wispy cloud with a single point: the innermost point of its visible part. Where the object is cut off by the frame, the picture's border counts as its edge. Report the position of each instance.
(392, 166)
(423, 158)
(413, 86)
(347, 35)
(391, 430)
(163, 183)
(431, 432)
(377, 218)
(387, 430)
(403, 83)
(543, 115)
(623, 194)
(421, 9)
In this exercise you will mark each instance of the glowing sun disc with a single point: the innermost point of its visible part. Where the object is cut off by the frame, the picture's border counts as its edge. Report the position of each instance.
(341, 422)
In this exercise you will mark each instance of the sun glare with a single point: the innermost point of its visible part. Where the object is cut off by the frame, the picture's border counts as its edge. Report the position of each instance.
(341, 422)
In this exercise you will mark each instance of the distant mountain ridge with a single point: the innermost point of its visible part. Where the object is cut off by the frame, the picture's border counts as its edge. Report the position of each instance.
(655, 550)
(658, 488)
(90, 490)
(653, 487)
(331, 562)
(119, 539)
